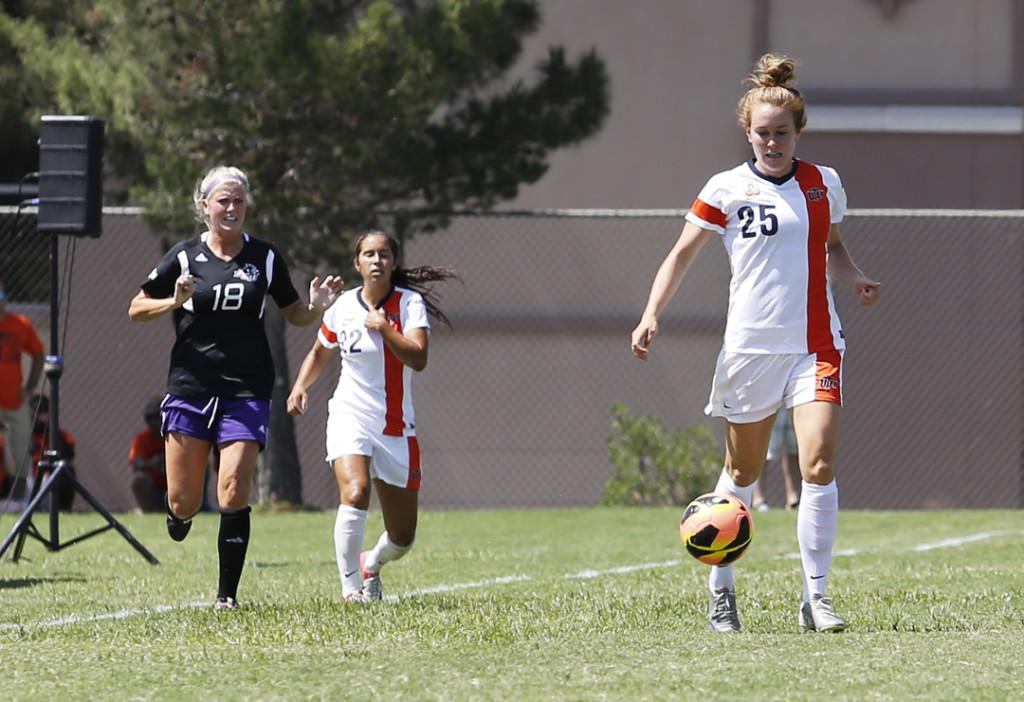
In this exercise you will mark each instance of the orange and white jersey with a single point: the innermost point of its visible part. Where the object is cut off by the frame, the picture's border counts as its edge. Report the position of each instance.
(375, 386)
(775, 231)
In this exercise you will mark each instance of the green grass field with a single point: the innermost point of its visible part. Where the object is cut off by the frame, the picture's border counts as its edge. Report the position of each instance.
(585, 604)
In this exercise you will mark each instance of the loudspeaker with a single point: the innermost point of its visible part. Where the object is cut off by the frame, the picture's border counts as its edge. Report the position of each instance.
(71, 175)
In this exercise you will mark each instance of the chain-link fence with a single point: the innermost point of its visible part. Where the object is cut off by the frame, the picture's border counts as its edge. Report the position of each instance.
(515, 405)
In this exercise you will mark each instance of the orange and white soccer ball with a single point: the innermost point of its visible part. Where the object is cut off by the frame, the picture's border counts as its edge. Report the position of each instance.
(716, 528)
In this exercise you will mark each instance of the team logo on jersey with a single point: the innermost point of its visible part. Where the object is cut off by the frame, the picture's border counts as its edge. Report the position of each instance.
(249, 273)
(826, 383)
(753, 190)
(815, 194)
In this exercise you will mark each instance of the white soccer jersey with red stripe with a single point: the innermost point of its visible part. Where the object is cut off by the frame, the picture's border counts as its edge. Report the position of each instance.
(775, 231)
(375, 386)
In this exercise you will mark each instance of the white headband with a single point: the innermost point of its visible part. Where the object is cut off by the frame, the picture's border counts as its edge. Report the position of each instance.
(220, 180)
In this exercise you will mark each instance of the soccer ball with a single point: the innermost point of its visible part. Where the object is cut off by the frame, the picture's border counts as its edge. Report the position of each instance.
(716, 528)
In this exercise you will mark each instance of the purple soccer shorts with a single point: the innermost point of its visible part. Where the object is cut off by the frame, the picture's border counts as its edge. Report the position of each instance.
(217, 420)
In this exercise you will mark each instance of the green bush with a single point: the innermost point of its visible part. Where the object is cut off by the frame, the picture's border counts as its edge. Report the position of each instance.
(654, 466)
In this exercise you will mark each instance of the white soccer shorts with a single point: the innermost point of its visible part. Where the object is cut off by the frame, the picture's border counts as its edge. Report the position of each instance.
(393, 459)
(749, 387)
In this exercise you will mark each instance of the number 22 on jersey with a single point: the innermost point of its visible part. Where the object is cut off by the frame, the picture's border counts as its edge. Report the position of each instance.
(348, 339)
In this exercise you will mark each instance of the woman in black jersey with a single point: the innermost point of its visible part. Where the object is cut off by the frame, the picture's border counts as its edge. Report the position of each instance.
(221, 373)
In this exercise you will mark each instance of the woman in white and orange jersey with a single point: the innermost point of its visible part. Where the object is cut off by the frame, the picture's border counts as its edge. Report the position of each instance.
(778, 218)
(380, 329)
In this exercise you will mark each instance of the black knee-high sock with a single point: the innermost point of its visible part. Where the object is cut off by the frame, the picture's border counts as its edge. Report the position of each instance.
(232, 543)
(172, 515)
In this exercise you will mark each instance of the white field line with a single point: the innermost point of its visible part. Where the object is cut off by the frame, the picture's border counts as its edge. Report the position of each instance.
(587, 574)
(504, 580)
(82, 619)
(443, 588)
(835, 554)
(949, 543)
(921, 548)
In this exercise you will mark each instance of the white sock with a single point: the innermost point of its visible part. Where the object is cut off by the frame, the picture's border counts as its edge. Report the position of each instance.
(816, 521)
(385, 551)
(722, 576)
(348, 542)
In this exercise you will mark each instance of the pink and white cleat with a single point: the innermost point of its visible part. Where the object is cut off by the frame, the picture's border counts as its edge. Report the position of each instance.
(371, 580)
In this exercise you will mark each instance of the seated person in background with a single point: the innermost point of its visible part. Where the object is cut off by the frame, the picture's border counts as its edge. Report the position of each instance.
(146, 457)
(6, 463)
(782, 449)
(64, 491)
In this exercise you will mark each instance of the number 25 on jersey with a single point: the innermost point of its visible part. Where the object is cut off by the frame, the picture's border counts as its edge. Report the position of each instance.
(762, 219)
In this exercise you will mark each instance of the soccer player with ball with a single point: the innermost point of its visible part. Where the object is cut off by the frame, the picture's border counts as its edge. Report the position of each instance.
(380, 330)
(778, 218)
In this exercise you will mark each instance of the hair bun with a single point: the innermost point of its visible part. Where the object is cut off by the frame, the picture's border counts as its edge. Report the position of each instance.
(771, 83)
(772, 71)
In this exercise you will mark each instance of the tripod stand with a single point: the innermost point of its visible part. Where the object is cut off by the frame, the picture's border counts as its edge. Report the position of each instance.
(53, 465)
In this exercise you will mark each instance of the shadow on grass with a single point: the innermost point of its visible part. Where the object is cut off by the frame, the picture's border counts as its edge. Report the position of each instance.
(287, 564)
(15, 583)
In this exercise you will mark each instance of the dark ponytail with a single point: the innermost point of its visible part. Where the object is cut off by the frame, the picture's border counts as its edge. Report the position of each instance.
(417, 278)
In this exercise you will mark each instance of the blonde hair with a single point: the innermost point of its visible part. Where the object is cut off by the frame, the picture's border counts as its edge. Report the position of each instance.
(771, 81)
(214, 178)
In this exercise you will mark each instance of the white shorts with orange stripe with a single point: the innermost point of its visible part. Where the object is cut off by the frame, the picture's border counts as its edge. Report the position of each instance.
(749, 387)
(393, 459)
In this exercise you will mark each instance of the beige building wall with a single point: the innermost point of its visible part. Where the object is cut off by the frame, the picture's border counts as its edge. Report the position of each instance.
(917, 103)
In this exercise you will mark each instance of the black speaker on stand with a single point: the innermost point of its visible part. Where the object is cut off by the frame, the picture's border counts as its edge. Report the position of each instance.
(70, 203)
(71, 175)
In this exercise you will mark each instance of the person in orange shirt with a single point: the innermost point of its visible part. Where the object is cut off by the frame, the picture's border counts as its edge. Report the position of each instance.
(17, 338)
(146, 457)
(39, 406)
(6, 462)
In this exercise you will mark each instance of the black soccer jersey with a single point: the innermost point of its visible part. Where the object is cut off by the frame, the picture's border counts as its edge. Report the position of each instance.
(221, 348)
